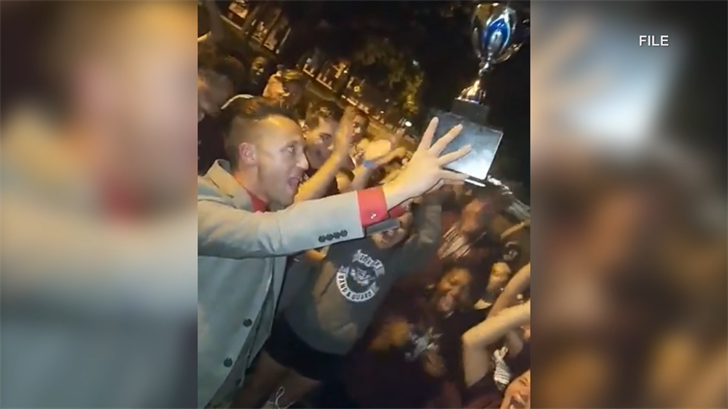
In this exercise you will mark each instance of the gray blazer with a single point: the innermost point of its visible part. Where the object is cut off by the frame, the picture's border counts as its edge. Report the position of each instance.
(241, 264)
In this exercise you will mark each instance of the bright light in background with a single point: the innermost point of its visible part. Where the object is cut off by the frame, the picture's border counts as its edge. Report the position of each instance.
(408, 124)
(622, 113)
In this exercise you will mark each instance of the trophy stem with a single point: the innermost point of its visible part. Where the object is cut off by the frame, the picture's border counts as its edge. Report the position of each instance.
(471, 104)
(485, 67)
(476, 92)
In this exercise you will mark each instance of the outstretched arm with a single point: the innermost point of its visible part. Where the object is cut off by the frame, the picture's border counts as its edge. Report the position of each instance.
(475, 340)
(520, 281)
(224, 231)
(508, 298)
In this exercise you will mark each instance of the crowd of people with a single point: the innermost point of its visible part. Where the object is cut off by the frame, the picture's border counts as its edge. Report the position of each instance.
(341, 270)
(353, 296)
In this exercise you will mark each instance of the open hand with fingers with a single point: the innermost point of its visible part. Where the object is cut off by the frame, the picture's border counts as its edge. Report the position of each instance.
(425, 172)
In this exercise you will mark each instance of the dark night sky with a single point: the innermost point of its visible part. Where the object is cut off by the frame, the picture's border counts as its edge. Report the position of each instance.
(442, 47)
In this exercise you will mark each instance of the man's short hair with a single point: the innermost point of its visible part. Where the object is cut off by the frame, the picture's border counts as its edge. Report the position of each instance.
(211, 59)
(321, 112)
(238, 116)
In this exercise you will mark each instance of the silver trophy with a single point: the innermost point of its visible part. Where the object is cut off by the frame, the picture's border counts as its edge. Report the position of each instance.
(497, 34)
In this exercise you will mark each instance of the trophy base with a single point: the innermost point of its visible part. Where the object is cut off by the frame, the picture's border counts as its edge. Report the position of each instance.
(482, 140)
(471, 111)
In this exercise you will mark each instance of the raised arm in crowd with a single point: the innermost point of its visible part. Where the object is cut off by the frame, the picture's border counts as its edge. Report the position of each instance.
(502, 320)
(476, 355)
(327, 140)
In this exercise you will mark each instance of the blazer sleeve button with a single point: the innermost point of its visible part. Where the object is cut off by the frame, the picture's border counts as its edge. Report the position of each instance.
(227, 362)
(247, 322)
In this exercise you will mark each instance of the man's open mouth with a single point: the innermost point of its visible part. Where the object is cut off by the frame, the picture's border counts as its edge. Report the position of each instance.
(294, 182)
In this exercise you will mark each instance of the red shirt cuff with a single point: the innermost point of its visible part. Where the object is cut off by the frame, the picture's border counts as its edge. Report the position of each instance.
(372, 206)
(397, 211)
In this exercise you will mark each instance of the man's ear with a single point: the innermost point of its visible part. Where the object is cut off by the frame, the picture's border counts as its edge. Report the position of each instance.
(248, 154)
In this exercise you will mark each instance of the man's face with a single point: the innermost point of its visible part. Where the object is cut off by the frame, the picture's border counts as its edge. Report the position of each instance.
(257, 70)
(274, 89)
(216, 91)
(143, 92)
(279, 159)
(390, 238)
(286, 94)
(320, 142)
(452, 290)
(499, 275)
(359, 125)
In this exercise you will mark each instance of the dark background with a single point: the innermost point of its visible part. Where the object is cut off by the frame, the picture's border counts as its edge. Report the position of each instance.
(437, 36)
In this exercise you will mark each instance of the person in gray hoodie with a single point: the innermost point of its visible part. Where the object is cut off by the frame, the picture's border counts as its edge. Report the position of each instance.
(335, 306)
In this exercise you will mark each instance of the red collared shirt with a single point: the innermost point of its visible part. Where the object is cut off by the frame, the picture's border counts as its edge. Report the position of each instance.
(259, 205)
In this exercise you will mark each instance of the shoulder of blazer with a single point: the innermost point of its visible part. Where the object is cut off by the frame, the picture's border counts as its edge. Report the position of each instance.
(206, 188)
(208, 191)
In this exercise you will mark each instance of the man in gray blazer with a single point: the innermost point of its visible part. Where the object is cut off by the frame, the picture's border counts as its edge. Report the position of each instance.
(243, 242)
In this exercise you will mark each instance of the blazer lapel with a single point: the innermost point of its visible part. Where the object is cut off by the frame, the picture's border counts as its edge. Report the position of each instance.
(220, 175)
